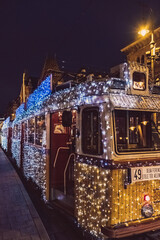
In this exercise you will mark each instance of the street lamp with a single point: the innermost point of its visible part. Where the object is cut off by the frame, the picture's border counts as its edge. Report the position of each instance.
(151, 54)
(143, 31)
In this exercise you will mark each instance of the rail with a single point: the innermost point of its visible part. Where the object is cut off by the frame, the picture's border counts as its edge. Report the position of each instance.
(56, 157)
(65, 170)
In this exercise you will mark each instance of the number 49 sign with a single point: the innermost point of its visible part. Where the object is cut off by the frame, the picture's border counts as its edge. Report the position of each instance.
(136, 174)
(145, 173)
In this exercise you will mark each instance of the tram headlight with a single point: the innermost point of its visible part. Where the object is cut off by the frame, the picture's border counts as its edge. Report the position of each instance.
(147, 210)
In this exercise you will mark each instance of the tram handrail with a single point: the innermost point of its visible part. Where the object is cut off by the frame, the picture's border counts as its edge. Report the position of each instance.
(155, 127)
(56, 157)
(65, 170)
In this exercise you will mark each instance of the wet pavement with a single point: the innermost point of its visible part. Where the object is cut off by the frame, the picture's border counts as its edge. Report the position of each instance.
(19, 219)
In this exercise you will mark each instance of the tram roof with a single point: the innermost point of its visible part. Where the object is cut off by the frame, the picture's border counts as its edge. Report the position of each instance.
(135, 102)
(87, 93)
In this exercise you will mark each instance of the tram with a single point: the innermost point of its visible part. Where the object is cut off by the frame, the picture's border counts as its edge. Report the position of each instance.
(93, 148)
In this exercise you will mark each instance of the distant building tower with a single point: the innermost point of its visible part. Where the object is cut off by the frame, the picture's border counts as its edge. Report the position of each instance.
(29, 84)
(51, 67)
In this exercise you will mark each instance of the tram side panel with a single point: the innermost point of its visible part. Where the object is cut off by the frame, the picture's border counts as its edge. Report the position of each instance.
(31, 143)
(93, 199)
(4, 138)
(29, 150)
(9, 140)
(103, 201)
(6, 133)
(34, 166)
(16, 143)
(34, 152)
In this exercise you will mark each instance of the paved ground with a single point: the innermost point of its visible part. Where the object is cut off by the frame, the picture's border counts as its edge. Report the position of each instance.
(18, 218)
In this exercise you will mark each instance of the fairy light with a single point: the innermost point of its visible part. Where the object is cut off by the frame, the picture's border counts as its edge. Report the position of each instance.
(4, 138)
(101, 200)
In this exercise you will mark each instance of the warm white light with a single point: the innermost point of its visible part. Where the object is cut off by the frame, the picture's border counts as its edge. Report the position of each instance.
(144, 123)
(143, 32)
(132, 128)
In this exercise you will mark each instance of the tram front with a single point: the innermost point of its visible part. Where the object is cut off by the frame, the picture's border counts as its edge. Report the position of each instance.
(117, 170)
(135, 154)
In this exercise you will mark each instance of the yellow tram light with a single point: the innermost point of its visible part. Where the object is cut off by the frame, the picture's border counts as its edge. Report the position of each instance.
(132, 128)
(144, 123)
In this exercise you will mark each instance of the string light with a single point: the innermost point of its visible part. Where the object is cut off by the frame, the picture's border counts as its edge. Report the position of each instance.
(101, 197)
(5, 131)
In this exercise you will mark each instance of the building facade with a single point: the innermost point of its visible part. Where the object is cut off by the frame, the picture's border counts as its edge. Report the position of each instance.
(136, 51)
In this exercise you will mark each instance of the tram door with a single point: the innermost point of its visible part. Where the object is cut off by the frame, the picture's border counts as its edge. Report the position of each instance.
(61, 159)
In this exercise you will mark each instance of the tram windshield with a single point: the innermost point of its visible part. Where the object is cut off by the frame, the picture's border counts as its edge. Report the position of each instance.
(137, 131)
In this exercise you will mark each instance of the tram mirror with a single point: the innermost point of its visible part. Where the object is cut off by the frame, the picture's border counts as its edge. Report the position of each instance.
(67, 118)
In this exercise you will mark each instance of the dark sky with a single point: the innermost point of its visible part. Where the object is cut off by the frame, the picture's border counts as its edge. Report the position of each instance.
(81, 32)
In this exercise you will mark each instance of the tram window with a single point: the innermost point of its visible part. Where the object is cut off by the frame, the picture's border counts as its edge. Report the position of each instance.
(142, 59)
(121, 130)
(25, 132)
(137, 131)
(31, 127)
(40, 129)
(91, 133)
(133, 128)
(138, 59)
(19, 131)
(16, 132)
(139, 81)
(5, 132)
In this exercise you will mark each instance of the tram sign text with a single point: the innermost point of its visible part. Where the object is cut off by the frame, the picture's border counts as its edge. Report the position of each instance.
(145, 173)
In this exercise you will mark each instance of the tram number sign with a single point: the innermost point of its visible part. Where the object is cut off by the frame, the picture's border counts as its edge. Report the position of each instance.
(145, 173)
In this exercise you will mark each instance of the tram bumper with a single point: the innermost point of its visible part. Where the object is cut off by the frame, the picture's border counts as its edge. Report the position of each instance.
(124, 231)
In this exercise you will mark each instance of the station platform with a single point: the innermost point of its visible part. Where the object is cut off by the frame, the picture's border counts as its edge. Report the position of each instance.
(19, 219)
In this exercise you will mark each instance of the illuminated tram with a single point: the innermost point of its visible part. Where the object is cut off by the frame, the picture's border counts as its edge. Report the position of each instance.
(93, 148)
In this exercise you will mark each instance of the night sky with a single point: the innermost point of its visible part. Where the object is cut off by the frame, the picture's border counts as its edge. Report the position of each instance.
(82, 33)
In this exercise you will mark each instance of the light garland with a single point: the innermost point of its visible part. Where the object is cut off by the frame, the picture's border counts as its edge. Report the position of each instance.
(16, 150)
(101, 197)
(100, 189)
(92, 200)
(6, 123)
(39, 95)
(125, 101)
(34, 166)
(4, 142)
(5, 130)
(19, 112)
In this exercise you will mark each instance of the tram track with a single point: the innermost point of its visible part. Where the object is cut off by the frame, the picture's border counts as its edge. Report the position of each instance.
(152, 235)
